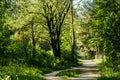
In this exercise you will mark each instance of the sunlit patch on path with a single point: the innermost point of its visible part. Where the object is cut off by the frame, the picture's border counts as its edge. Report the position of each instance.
(89, 72)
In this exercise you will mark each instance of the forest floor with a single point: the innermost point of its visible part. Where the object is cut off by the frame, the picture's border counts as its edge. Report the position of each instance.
(88, 70)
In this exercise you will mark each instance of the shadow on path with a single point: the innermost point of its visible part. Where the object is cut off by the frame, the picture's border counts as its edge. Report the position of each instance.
(89, 72)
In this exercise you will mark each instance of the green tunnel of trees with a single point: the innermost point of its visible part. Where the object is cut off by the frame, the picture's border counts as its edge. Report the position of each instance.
(52, 34)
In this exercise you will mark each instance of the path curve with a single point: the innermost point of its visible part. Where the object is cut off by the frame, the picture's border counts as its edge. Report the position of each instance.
(89, 72)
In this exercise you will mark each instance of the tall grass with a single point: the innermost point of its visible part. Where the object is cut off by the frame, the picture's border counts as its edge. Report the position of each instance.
(108, 73)
(69, 73)
(20, 72)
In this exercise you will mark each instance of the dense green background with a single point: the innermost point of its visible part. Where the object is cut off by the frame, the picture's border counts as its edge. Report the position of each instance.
(37, 37)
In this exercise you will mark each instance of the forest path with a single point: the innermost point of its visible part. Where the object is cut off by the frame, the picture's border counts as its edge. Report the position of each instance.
(88, 72)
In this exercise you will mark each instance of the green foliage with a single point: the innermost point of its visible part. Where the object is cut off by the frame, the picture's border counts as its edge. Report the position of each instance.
(21, 22)
(42, 60)
(2, 31)
(17, 69)
(108, 73)
(105, 22)
(106, 78)
(69, 73)
(20, 72)
(54, 16)
(48, 61)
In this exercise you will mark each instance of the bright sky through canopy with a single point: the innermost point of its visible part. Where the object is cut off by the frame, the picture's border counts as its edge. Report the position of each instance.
(79, 6)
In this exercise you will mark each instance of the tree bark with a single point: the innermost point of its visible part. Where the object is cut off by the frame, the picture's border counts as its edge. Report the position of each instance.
(73, 32)
(33, 41)
(54, 24)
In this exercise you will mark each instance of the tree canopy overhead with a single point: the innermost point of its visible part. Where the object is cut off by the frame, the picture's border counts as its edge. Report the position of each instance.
(55, 34)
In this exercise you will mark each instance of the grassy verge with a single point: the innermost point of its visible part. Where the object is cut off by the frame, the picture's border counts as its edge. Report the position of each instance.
(33, 69)
(69, 73)
(12, 69)
(20, 72)
(106, 72)
(98, 61)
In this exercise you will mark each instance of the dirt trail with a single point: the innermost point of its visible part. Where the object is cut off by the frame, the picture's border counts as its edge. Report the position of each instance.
(89, 72)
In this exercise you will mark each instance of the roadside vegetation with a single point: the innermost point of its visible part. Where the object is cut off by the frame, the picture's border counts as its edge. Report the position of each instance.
(69, 73)
(108, 73)
(40, 36)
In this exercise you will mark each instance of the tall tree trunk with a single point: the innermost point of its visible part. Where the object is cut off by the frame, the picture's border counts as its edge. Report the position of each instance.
(103, 57)
(58, 46)
(55, 46)
(54, 23)
(97, 52)
(33, 41)
(25, 44)
(73, 31)
(73, 43)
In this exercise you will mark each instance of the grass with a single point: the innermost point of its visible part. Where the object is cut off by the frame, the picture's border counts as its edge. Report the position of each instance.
(20, 72)
(107, 73)
(13, 67)
(12, 70)
(98, 61)
(108, 78)
(79, 63)
(69, 73)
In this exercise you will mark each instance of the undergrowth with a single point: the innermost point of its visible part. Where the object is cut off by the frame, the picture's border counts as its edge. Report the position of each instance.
(108, 73)
(69, 73)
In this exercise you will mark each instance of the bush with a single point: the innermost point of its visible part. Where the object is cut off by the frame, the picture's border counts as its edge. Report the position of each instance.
(20, 72)
(43, 59)
(108, 72)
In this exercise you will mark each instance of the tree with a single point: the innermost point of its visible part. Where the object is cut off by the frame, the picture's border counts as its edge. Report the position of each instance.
(54, 13)
(4, 30)
(105, 22)
(73, 31)
(25, 14)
